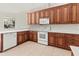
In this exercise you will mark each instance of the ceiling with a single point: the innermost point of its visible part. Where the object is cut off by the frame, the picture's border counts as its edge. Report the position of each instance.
(19, 7)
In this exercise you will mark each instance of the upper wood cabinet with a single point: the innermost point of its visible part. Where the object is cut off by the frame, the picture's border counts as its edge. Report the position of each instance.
(29, 15)
(37, 17)
(64, 14)
(44, 13)
(32, 18)
(74, 13)
(52, 15)
(77, 15)
(60, 14)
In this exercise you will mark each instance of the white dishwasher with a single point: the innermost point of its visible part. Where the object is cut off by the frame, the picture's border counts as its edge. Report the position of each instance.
(9, 40)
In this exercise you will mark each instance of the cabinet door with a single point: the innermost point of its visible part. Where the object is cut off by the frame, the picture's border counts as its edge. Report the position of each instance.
(41, 14)
(30, 35)
(77, 12)
(29, 17)
(33, 36)
(22, 37)
(51, 39)
(66, 14)
(74, 13)
(33, 20)
(25, 36)
(72, 40)
(1, 42)
(52, 15)
(60, 41)
(76, 40)
(69, 40)
(58, 15)
(44, 13)
(37, 17)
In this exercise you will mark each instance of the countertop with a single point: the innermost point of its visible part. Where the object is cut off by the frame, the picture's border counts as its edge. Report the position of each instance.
(75, 50)
(12, 30)
(58, 31)
(26, 29)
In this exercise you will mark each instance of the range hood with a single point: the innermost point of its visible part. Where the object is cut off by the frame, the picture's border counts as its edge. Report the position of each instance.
(44, 21)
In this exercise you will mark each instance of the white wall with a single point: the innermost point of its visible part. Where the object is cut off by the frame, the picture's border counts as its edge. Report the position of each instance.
(20, 20)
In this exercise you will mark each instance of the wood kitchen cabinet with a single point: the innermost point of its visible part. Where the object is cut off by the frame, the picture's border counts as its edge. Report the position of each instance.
(74, 14)
(22, 37)
(51, 39)
(37, 17)
(60, 14)
(29, 17)
(77, 15)
(64, 14)
(63, 40)
(60, 40)
(56, 39)
(33, 18)
(33, 36)
(1, 42)
(72, 39)
(44, 13)
(52, 15)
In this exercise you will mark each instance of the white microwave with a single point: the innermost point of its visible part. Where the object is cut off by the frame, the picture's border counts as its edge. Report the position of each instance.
(44, 20)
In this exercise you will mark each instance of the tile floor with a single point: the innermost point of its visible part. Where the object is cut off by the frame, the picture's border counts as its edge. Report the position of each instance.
(34, 49)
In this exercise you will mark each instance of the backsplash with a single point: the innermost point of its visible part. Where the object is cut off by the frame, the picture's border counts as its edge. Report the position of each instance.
(39, 27)
(55, 27)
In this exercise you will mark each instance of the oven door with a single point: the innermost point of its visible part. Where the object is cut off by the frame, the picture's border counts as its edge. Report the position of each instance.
(43, 36)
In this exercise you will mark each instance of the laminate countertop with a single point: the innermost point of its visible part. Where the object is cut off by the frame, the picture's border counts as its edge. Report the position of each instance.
(12, 30)
(58, 31)
(54, 31)
(75, 50)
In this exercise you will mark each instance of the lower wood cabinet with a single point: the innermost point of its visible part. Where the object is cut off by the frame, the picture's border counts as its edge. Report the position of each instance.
(60, 40)
(56, 39)
(63, 40)
(1, 42)
(33, 36)
(51, 39)
(72, 39)
(22, 37)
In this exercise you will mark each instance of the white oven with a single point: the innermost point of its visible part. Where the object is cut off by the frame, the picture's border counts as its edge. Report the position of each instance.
(43, 38)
